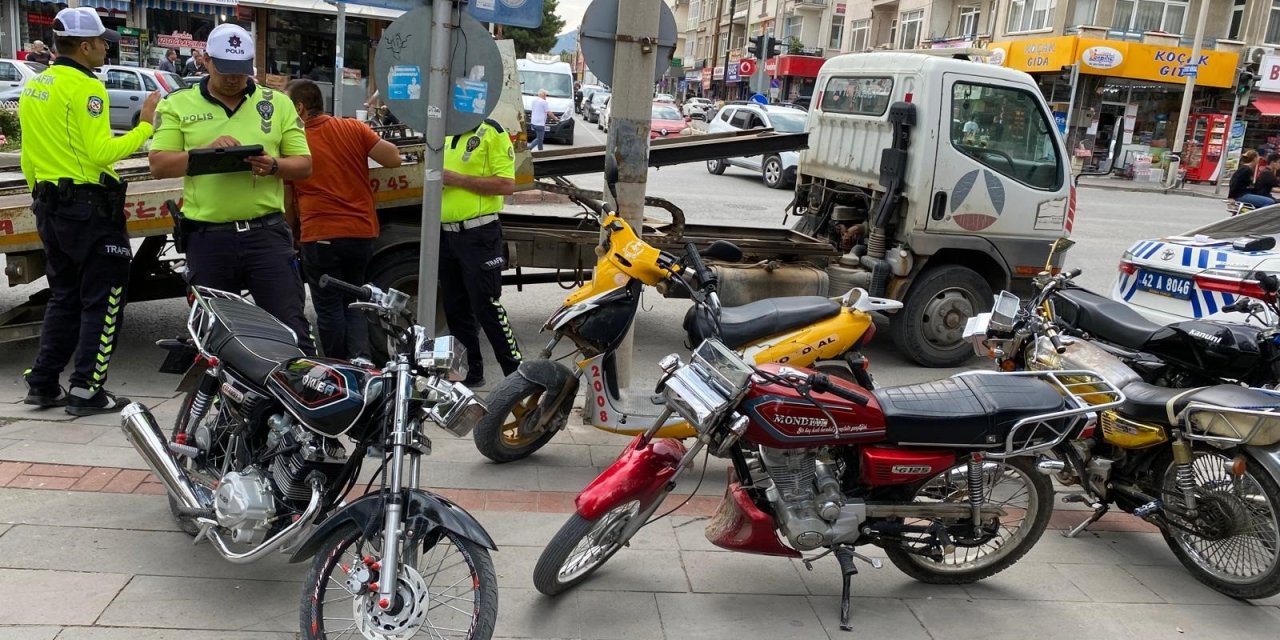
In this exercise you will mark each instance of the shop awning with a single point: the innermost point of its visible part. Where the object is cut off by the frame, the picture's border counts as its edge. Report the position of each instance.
(320, 6)
(206, 8)
(1267, 103)
(110, 5)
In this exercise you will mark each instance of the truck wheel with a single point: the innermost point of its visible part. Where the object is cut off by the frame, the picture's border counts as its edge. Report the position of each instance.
(930, 325)
(716, 167)
(396, 270)
(774, 176)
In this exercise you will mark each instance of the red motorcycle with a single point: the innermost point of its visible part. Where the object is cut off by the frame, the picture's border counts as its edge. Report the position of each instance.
(943, 475)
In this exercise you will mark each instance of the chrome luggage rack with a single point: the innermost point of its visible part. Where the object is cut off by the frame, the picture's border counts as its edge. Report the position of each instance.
(1087, 394)
(1246, 424)
(202, 316)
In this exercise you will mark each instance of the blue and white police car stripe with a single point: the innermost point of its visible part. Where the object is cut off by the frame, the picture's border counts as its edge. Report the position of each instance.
(1203, 303)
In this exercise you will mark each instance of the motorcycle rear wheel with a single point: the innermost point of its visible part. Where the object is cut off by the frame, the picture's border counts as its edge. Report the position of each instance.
(580, 547)
(472, 585)
(513, 401)
(1244, 562)
(961, 566)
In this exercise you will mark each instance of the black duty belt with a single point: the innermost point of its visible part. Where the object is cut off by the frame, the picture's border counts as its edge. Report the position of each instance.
(269, 220)
(91, 194)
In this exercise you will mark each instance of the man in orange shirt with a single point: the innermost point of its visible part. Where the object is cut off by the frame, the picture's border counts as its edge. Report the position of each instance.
(335, 210)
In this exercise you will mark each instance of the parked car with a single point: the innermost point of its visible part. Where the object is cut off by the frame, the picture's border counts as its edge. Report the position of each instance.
(666, 121)
(664, 98)
(696, 108)
(14, 75)
(128, 87)
(1195, 274)
(606, 114)
(598, 100)
(778, 170)
(586, 91)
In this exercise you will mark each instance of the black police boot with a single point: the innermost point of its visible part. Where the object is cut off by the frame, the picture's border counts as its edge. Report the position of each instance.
(41, 397)
(87, 402)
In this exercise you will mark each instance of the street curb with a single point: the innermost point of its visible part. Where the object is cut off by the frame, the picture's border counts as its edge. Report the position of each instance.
(1129, 189)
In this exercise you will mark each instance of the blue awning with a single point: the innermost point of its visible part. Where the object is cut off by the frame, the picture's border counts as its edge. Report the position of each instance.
(110, 5)
(190, 7)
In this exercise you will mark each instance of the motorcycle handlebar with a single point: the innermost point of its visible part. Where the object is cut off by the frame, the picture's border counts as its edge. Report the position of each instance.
(821, 383)
(705, 279)
(363, 294)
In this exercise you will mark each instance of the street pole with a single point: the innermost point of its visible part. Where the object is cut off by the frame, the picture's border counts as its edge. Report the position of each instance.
(728, 44)
(1222, 159)
(442, 12)
(338, 61)
(631, 110)
(1071, 104)
(1184, 114)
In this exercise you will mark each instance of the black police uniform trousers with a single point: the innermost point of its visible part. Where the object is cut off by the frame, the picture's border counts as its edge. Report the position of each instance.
(87, 263)
(344, 332)
(260, 259)
(471, 263)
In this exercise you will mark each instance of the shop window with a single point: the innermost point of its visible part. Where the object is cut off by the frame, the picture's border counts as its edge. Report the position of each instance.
(911, 22)
(1139, 16)
(859, 35)
(857, 96)
(9, 72)
(1030, 15)
(967, 21)
(1004, 129)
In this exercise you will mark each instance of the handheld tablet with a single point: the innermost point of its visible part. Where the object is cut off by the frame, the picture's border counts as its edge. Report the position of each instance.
(224, 160)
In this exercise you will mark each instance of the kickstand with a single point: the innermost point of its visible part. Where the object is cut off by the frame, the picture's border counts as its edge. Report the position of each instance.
(847, 570)
(1100, 511)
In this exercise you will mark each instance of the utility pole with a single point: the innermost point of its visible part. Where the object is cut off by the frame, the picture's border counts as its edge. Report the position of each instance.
(728, 44)
(631, 110)
(433, 181)
(1184, 114)
(338, 61)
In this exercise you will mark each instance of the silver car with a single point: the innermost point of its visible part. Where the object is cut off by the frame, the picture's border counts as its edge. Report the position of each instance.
(14, 75)
(128, 87)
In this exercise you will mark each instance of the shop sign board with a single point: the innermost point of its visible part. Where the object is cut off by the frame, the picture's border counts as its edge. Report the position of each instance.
(1269, 72)
(1034, 55)
(1120, 59)
(179, 40)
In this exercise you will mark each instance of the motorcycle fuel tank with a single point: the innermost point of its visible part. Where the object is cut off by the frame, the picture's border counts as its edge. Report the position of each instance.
(782, 418)
(327, 396)
(1217, 349)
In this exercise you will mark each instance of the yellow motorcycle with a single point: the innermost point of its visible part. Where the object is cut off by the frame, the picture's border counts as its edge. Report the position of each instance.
(529, 406)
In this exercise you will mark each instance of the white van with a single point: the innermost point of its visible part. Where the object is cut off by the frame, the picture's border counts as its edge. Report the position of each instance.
(545, 72)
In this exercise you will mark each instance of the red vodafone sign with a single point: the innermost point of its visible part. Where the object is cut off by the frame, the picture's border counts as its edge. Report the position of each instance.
(746, 66)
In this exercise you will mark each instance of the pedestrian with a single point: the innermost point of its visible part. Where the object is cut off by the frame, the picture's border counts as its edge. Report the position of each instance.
(170, 61)
(78, 200)
(195, 64)
(40, 53)
(336, 214)
(479, 169)
(540, 115)
(235, 231)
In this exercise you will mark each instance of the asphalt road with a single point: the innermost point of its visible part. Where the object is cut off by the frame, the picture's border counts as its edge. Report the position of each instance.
(1107, 223)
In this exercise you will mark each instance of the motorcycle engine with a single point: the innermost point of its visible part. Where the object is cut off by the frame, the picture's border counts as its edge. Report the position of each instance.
(812, 511)
(244, 506)
(311, 452)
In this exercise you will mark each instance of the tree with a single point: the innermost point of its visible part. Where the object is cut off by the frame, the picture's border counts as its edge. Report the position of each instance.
(539, 40)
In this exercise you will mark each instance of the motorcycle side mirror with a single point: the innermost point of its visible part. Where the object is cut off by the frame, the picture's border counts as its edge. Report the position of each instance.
(611, 175)
(1269, 283)
(723, 250)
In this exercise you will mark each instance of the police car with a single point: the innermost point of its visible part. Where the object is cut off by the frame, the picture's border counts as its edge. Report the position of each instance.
(1196, 274)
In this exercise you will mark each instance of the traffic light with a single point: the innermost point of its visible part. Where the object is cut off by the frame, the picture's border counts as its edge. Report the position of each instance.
(757, 46)
(772, 47)
(1246, 82)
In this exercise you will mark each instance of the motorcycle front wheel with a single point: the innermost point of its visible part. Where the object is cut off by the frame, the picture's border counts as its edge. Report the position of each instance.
(1014, 485)
(1233, 545)
(449, 591)
(580, 547)
(512, 404)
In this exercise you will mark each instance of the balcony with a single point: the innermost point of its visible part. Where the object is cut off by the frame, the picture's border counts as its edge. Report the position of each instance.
(884, 4)
(811, 5)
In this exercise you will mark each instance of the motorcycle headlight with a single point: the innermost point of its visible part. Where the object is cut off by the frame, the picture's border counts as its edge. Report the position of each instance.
(452, 406)
(444, 356)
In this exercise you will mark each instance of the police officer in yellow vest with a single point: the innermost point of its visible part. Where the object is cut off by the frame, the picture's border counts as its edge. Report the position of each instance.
(234, 227)
(67, 156)
(479, 169)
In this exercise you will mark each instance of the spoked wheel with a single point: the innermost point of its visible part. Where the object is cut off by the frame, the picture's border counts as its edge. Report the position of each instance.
(1015, 486)
(503, 435)
(1233, 545)
(580, 547)
(449, 591)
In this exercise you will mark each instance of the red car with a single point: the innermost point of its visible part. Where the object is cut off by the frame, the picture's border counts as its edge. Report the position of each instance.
(666, 121)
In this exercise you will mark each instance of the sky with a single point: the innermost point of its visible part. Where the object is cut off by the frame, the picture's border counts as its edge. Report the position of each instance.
(571, 11)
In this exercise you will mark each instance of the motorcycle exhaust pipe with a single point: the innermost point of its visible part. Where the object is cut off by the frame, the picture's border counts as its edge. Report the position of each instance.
(1049, 466)
(144, 434)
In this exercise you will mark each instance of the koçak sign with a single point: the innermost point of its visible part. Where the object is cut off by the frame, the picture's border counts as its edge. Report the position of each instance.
(1117, 59)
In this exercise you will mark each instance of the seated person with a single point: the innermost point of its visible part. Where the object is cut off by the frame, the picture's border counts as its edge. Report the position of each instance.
(1265, 183)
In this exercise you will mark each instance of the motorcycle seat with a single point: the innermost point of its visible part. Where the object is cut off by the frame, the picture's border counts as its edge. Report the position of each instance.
(1151, 403)
(248, 339)
(742, 325)
(971, 411)
(1107, 319)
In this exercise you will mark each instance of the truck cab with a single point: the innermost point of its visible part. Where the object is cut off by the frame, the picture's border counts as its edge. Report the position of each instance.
(545, 72)
(941, 179)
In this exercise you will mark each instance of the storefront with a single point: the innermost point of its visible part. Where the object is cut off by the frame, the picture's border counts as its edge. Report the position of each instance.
(35, 20)
(1262, 115)
(1130, 87)
(796, 74)
(184, 26)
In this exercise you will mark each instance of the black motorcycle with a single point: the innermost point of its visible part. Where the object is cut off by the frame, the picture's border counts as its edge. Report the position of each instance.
(1191, 353)
(257, 463)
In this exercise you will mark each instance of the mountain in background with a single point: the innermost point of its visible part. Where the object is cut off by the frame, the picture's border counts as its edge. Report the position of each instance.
(566, 43)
